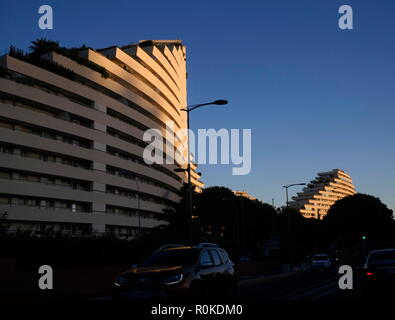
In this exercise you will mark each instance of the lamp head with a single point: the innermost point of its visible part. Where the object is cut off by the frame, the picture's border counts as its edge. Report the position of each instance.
(220, 102)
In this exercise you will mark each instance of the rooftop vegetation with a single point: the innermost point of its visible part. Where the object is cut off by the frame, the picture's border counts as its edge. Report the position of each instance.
(42, 46)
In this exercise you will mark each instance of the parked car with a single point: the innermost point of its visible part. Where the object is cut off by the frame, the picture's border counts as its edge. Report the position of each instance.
(175, 271)
(379, 271)
(320, 261)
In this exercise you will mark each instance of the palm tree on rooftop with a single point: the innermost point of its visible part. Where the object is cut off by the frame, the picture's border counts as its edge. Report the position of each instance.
(42, 46)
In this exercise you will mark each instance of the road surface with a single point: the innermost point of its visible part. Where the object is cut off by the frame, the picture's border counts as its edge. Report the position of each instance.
(298, 286)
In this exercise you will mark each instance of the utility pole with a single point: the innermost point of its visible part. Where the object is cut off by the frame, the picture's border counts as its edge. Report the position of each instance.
(188, 109)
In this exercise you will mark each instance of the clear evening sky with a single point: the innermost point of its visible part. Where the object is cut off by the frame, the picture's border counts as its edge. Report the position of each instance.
(315, 97)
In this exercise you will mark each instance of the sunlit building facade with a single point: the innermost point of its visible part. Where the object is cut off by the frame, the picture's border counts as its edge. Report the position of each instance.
(71, 137)
(243, 194)
(322, 192)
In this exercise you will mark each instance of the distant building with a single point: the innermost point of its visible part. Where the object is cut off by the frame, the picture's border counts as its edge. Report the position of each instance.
(322, 192)
(244, 194)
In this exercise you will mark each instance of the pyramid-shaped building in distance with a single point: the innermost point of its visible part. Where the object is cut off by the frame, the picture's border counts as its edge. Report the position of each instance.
(322, 192)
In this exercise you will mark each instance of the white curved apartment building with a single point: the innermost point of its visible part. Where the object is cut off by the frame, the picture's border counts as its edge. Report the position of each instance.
(71, 141)
(322, 192)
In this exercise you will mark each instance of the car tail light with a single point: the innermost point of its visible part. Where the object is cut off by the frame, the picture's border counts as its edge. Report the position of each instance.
(369, 273)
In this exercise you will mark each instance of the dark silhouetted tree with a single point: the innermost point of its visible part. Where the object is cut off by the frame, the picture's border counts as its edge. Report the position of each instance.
(175, 227)
(360, 214)
(42, 46)
(216, 213)
(237, 223)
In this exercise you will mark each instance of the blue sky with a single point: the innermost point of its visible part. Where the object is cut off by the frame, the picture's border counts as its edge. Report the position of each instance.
(315, 97)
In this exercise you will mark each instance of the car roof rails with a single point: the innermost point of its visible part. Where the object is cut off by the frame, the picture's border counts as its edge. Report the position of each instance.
(168, 246)
(207, 245)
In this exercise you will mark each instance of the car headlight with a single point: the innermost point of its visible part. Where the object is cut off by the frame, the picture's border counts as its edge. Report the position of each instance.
(120, 280)
(173, 279)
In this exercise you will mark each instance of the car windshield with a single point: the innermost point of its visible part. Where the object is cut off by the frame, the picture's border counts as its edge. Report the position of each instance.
(178, 257)
(322, 257)
(382, 255)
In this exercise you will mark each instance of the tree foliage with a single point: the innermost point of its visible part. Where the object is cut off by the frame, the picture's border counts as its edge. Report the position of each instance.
(42, 46)
(357, 215)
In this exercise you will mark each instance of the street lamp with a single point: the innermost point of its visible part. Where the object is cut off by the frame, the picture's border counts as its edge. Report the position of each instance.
(138, 205)
(188, 109)
(291, 185)
(289, 214)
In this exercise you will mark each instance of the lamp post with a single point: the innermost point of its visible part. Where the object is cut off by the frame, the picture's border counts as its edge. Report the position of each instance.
(289, 214)
(188, 109)
(291, 185)
(138, 204)
(3, 220)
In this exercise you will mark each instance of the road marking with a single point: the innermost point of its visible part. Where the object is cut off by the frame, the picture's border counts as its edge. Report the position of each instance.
(101, 298)
(311, 292)
(305, 291)
(336, 288)
(324, 294)
(267, 277)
